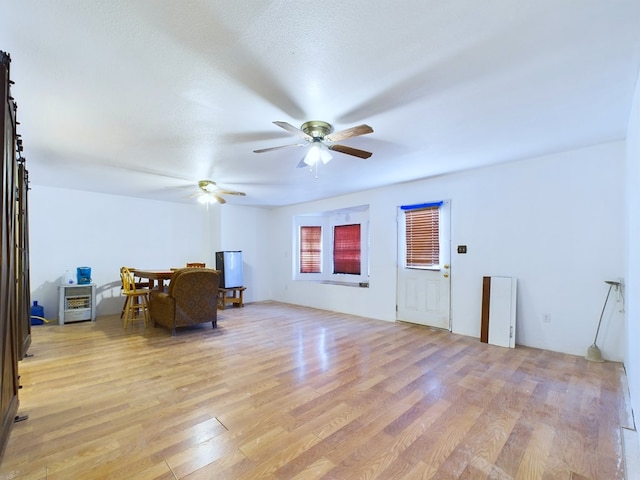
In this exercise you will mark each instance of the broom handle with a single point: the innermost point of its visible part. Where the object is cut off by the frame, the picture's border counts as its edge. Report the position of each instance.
(601, 314)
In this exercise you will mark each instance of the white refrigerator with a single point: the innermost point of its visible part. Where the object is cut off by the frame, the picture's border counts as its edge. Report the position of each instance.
(229, 263)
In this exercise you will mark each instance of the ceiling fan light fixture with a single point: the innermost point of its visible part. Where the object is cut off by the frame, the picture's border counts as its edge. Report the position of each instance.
(318, 152)
(325, 155)
(207, 199)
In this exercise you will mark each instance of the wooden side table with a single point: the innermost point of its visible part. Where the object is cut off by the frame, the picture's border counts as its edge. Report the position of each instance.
(230, 295)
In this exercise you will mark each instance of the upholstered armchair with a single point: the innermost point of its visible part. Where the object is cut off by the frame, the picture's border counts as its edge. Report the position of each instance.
(192, 298)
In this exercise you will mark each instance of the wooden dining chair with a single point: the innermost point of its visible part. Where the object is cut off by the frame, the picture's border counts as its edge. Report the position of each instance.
(136, 306)
(139, 283)
(196, 265)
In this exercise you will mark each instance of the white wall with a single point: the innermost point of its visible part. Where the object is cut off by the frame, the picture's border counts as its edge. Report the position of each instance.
(70, 228)
(554, 222)
(245, 229)
(632, 287)
(378, 301)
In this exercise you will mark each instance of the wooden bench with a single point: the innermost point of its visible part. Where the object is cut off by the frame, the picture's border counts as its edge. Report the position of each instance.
(230, 295)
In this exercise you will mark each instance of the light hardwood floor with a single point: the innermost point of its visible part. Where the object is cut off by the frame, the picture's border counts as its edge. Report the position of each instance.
(285, 392)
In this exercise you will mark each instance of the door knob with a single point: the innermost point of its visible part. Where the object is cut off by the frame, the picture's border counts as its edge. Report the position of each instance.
(446, 265)
(446, 275)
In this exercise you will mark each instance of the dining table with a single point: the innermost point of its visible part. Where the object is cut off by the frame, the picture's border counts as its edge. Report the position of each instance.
(156, 277)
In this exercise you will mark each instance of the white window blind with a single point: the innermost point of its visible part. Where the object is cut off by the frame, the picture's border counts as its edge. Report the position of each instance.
(346, 249)
(422, 235)
(310, 249)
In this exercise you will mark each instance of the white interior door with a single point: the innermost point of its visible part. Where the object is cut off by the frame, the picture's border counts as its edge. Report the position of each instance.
(424, 294)
(502, 311)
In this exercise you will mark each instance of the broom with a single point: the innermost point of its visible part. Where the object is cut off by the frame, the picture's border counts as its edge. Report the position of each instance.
(593, 352)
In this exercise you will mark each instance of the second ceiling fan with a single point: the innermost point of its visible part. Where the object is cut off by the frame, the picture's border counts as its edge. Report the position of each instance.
(209, 192)
(320, 139)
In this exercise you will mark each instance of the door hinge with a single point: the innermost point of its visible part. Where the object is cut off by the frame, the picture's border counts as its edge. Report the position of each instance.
(511, 332)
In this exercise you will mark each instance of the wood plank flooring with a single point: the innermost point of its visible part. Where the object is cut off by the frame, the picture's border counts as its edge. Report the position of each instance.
(285, 392)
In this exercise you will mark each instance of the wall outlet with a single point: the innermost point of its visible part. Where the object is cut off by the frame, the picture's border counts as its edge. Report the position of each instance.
(546, 318)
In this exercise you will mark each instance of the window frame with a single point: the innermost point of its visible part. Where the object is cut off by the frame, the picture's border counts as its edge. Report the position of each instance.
(309, 252)
(443, 239)
(357, 235)
(328, 220)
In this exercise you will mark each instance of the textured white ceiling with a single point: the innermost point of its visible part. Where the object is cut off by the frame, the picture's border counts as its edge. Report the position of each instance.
(144, 98)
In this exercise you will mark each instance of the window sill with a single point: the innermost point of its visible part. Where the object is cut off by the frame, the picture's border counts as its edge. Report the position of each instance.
(345, 284)
(337, 282)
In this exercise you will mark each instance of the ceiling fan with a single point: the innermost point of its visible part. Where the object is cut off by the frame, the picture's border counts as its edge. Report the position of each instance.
(209, 192)
(320, 139)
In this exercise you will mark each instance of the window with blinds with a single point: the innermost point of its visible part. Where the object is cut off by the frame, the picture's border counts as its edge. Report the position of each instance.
(332, 246)
(311, 249)
(422, 236)
(346, 249)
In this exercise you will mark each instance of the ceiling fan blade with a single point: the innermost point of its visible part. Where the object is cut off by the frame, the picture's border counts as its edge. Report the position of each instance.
(350, 151)
(290, 128)
(262, 150)
(230, 192)
(349, 132)
(218, 198)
